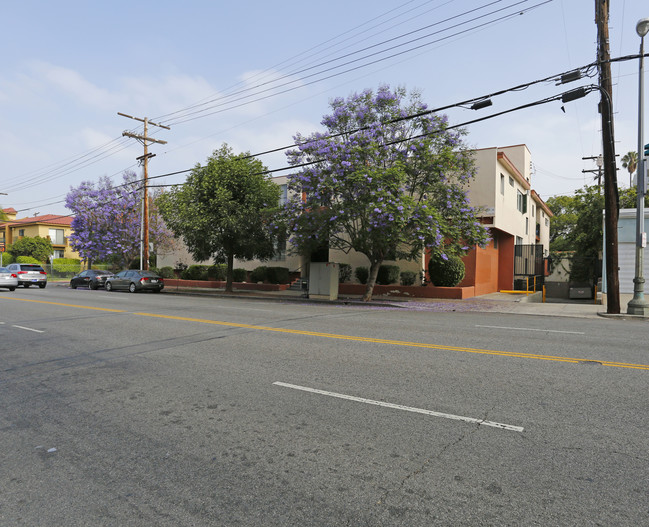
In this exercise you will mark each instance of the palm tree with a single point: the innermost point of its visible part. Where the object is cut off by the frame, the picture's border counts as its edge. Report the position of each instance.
(630, 162)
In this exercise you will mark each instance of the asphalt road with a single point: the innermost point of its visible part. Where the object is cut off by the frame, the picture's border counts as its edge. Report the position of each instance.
(171, 410)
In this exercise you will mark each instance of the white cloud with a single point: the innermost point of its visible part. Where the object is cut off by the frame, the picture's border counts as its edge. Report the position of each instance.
(74, 85)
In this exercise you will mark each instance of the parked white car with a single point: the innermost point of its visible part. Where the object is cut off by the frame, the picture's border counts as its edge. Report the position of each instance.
(8, 279)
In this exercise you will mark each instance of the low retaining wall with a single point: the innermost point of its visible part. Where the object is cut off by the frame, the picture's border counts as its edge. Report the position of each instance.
(220, 284)
(412, 291)
(408, 291)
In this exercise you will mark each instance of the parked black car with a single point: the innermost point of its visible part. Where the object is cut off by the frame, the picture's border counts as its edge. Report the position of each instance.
(29, 274)
(92, 278)
(133, 281)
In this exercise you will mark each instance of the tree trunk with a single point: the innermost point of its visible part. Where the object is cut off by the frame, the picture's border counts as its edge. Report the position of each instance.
(228, 273)
(371, 280)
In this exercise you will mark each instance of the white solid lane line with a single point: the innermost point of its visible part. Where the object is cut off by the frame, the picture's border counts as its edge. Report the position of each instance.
(28, 329)
(532, 329)
(401, 407)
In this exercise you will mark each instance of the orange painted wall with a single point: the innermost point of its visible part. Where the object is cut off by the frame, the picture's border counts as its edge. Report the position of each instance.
(505, 262)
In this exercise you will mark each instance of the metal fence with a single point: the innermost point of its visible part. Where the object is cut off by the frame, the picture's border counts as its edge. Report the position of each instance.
(529, 267)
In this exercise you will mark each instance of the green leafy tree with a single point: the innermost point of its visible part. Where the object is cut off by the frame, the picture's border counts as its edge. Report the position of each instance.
(35, 247)
(577, 224)
(223, 210)
(383, 184)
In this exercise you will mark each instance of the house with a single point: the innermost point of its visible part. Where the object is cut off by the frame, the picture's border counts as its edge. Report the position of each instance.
(56, 227)
(517, 218)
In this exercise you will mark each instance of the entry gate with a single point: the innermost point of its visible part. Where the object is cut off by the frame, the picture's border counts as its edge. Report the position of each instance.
(529, 267)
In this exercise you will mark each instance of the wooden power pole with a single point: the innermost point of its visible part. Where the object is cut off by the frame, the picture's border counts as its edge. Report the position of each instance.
(611, 202)
(145, 140)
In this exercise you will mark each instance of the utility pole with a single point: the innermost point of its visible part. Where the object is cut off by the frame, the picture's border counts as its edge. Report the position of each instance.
(145, 140)
(611, 203)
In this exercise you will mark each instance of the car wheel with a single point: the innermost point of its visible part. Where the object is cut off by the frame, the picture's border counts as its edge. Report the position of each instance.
(26, 285)
(42, 286)
(109, 287)
(92, 285)
(131, 288)
(157, 290)
(72, 286)
(12, 289)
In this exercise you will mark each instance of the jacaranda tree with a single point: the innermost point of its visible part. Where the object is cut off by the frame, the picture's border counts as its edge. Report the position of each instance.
(223, 210)
(387, 179)
(107, 220)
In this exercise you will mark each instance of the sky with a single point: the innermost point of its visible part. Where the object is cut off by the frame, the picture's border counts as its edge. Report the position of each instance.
(252, 74)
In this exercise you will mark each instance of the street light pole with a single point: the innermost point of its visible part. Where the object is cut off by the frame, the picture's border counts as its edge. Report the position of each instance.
(638, 305)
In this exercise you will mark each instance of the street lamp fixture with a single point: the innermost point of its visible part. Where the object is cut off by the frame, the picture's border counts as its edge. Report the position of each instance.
(638, 305)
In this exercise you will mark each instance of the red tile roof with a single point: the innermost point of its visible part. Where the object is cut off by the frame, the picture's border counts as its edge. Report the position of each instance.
(52, 219)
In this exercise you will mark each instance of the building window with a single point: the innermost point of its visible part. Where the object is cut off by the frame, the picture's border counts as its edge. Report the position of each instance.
(521, 202)
(511, 181)
(519, 240)
(56, 235)
(533, 210)
(546, 222)
(21, 232)
(283, 194)
(280, 251)
(527, 225)
(502, 184)
(57, 254)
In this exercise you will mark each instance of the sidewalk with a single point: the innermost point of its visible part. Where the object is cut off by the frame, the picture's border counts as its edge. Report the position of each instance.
(493, 302)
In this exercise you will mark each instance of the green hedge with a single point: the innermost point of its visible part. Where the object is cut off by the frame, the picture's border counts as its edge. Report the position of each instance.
(388, 274)
(345, 273)
(28, 259)
(167, 272)
(446, 273)
(7, 259)
(217, 272)
(277, 275)
(195, 272)
(239, 275)
(259, 274)
(408, 278)
(66, 265)
(362, 274)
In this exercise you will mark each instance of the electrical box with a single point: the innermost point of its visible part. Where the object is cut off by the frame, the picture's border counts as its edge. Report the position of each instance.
(324, 279)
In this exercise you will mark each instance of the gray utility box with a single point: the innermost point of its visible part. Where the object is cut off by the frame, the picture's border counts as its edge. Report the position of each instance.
(581, 292)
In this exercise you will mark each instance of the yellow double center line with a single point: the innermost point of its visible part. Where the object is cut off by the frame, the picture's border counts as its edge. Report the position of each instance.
(361, 339)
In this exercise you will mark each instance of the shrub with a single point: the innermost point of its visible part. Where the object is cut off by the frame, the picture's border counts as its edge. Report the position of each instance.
(446, 273)
(195, 272)
(345, 273)
(7, 259)
(408, 278)
(362, 274)
(167, 272)
(28, 259)
(66, 265)
(217, 272)
(388, 274)
(239, 275)
(259, 274)
(277, 275)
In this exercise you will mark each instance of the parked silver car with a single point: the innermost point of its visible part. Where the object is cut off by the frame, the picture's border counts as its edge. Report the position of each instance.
(29, 274)
(8, 279)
